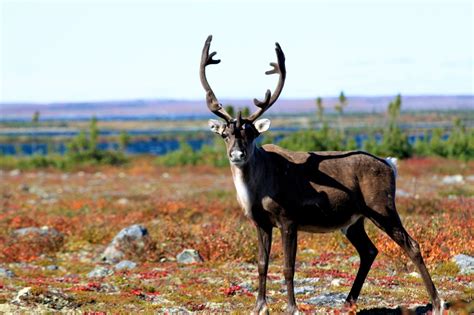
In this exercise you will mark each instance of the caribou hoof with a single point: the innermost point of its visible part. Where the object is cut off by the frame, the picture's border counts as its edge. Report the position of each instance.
(350, 307)
(439, 307)
(292, 310)
(261, 309)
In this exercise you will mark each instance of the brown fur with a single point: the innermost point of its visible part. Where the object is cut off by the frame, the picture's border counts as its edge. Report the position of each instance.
(309, 191)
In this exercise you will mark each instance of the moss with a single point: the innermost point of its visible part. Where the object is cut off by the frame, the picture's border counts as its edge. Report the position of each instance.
(448, 268)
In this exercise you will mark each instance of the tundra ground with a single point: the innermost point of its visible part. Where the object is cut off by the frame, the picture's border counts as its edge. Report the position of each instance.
(196, 208)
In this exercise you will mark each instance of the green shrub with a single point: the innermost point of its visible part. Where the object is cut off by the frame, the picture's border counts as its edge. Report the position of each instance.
(395, 143)
(183, 156)
(42, 161)
(212, 155)
(324, 139)
(460, 143)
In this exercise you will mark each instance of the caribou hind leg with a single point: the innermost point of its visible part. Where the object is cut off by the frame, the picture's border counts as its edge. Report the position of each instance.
(367, 252)
(389, 221)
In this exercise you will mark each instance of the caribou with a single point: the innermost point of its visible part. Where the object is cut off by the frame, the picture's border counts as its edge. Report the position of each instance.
(315, 192)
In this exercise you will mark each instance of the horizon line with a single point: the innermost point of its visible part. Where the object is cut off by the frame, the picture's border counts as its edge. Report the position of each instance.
(230, 98)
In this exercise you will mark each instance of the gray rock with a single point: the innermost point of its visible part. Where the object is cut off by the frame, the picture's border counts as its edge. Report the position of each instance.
(99, 272)
(35, 231)
(24, 187)
(304, 290)
(301, 290)
(304, 281)
(189, 256)
(299, 281)
(131, 239)
(6, 273)
(402, 193)
(112, 254)
(174, 310)
(123, 201)
(135, 231)
(125, 264)
(14, 173)
(23, 294)
(327, 299)
(50, 238)
(52, 267)
(465, 263)
(454, 179)
(52, 298)
(246, 286)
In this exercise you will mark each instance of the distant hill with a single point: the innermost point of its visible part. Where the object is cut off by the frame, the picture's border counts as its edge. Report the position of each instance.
(180, 109)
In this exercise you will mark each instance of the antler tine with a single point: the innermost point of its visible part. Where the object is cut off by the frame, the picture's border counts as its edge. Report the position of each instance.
(269, 97)
(211, 99)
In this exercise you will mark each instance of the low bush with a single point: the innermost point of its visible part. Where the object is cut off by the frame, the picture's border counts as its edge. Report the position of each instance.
(212, 154)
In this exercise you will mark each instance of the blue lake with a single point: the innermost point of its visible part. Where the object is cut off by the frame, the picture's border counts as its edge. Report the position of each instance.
(153, 146)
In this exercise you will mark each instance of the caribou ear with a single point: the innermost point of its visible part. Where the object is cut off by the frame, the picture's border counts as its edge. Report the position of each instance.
(216, 126)
(262, 125)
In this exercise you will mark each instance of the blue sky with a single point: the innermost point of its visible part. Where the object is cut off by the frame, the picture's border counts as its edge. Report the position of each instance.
(54, 51)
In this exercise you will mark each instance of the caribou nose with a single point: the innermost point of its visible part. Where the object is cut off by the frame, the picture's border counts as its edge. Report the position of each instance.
(236, 155)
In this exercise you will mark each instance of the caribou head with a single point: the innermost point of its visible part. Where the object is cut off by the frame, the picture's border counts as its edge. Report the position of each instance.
(239, 133)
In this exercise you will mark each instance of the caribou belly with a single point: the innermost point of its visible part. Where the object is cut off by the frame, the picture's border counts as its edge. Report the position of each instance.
(343, 226)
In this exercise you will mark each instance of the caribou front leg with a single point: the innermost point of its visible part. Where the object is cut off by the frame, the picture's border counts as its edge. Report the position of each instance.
(289, 242)
(264, 247)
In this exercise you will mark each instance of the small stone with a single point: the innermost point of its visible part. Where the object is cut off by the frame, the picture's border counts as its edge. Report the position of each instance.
(24, 187)
(402, 193)
(454, 179)
(52, 267)
(42, 231)
(112, 254)
(132, 240)
(246, 286)
(219, 308)
(99, 272)
(122, 201)
(304, 281)
(21, 295)
(50, 297)
(336, 282)
(45, 238)
(465, 263)
(165, 175)
(14, 173)
(189, 256)
(414, 274)
(327, 299)
(354, 259)
(6, 273)
(125, 264)
(304, 290)
(174, 310)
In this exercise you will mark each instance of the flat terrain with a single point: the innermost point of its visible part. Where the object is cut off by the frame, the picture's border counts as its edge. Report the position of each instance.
(196, 208)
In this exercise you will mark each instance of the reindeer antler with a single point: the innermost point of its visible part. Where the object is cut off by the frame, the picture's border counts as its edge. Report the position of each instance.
(211, 99)
(269, 97)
